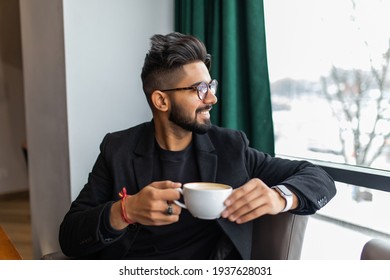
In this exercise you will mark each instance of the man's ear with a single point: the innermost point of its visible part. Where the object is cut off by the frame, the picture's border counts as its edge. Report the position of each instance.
(160, 100)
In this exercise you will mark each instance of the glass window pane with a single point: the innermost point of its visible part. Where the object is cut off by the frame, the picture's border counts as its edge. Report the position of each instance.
(329, 63)
(354, 216)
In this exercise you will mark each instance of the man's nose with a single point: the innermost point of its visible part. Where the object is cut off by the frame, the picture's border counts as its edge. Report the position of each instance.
(210, 98)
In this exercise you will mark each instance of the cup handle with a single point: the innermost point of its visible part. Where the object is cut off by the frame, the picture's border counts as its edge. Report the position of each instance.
(178, 202)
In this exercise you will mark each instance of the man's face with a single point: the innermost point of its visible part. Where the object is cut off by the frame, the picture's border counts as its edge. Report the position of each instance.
(187, 110)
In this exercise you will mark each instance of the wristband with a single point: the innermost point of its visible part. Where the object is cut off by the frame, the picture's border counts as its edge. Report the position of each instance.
(123, 195)
(286, 194)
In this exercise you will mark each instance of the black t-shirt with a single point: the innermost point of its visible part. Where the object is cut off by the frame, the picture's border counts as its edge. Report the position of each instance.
(189, 238)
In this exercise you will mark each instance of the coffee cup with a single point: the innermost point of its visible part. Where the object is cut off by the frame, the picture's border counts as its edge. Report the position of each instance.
(204, 200)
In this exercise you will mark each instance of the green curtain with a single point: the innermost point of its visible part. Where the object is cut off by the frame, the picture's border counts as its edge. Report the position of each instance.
(234, 34)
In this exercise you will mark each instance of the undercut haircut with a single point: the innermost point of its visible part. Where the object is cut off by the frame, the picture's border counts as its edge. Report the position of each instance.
(167, 56)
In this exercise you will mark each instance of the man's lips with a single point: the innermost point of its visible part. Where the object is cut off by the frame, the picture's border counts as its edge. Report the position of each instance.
(204, 110)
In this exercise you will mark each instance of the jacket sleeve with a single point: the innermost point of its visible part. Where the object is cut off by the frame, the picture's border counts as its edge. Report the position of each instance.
(84, 228)
(312, 185)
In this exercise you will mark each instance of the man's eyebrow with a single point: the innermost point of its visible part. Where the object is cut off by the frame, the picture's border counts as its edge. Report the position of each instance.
(197, 83)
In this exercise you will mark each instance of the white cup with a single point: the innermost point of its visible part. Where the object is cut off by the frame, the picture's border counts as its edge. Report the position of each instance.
(204, 200)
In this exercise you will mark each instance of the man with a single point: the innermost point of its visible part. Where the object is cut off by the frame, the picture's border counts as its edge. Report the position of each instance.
(126, 211)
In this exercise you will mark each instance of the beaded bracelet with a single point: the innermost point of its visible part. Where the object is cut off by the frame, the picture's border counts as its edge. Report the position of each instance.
(123, 195)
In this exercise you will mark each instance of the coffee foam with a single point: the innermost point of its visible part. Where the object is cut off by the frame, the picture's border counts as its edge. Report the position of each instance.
(207, 186)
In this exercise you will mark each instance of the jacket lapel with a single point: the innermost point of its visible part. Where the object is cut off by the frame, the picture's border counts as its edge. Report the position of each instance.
(206, 158)
(143, 164)
(240, 235)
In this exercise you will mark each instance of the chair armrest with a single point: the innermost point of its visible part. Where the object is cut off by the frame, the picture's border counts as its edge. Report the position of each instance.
(278, 237)
(376, 249)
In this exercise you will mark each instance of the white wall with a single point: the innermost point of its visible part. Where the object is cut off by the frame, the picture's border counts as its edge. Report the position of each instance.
(82, 63)
(105, 45)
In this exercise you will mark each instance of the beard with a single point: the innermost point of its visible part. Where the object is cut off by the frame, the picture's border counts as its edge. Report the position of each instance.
(178, 117)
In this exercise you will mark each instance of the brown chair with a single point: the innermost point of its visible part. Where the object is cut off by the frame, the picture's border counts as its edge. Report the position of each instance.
(278, 237)
(275, 237)
(376, 249)
(7, 249)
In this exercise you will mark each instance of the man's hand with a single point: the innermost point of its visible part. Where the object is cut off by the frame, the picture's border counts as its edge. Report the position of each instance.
(252, 200)
(149, 206)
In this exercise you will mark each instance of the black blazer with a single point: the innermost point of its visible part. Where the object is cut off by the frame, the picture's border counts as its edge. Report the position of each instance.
(223, 156)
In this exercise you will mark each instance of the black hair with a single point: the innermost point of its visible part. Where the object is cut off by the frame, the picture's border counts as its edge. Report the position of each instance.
(167, 54)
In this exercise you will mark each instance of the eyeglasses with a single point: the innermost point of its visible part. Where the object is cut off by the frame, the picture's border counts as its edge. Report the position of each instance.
(202, 88)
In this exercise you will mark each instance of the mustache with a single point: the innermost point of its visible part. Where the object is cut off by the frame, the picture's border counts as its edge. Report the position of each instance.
(206, 108)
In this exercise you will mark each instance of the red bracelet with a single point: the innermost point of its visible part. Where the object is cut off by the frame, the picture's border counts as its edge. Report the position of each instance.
(123, 195)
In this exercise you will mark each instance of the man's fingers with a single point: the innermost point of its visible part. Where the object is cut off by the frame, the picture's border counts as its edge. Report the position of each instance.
(155, 212)
(167, 214)
(163, 190)
(171, 208)
(165, 185)
(165, 205)
(254, 214)
(244, 204)
(247, 202)
(242, 191)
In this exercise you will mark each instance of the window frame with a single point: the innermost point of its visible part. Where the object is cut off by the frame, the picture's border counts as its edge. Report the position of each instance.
(356, 175)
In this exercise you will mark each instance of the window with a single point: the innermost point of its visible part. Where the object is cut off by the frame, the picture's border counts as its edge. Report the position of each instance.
(329, 64)
(329, 68)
